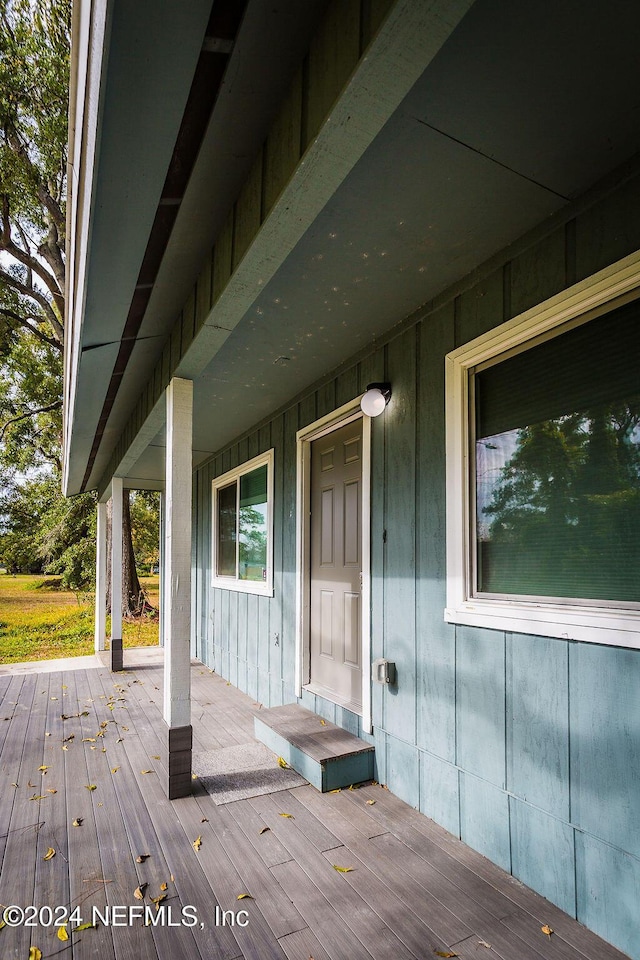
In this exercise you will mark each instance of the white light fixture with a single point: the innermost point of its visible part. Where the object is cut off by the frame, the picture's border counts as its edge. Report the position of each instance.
(375, 399)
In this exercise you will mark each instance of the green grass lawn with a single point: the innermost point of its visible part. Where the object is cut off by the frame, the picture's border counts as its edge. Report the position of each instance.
(39, 621)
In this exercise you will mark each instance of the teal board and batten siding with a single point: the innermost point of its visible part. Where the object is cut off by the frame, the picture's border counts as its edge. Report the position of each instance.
(528, 748)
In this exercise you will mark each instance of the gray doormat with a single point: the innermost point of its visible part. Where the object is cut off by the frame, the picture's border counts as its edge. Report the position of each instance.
(246, 770)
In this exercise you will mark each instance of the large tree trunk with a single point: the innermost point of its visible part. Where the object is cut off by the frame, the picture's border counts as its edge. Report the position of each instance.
(134, 602)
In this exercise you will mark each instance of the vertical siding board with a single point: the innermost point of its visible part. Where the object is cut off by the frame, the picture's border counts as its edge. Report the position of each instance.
(307, 410)
(608, 892)
(480, 703)
(203, 293)
(333, 55)
(479, 309)
(282, 149)
(252, 645)
(248, 212)
(605, 733)
(403, 771)
(435, 639)
(538, 273)
(542, 853)
(326, 398)
(288, 639)
(484, 819)
(265, 604)
(439, 792)
(222, 257)
(400, 552)
(372, 369)
(609, 230)
(274, 692)
(538, 722)
(346, 386)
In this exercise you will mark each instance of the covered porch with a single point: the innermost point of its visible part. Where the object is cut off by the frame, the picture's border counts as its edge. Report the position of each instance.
(82, 745)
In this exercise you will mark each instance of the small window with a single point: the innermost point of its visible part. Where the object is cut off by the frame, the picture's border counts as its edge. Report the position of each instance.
(543, 468)
(242, 527)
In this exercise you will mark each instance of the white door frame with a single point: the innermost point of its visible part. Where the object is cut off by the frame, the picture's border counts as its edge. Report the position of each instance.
(332, 421)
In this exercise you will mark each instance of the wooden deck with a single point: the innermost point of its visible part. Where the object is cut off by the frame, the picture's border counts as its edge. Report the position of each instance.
(411, 891)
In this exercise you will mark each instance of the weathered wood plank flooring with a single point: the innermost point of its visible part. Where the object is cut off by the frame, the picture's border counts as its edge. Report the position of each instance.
(80, 754)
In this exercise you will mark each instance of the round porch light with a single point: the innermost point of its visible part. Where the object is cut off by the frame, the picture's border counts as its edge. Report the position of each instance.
(375, 399)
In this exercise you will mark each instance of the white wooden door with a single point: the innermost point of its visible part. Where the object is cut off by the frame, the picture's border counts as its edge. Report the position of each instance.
(336, 565)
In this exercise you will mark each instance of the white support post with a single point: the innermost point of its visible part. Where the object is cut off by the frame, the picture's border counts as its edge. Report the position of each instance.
(116, 573)
(177, 585)
(161, 600)
(101, 579)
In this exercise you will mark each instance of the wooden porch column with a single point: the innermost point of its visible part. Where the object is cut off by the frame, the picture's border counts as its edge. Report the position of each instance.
(100, 631)
(177, 586)
(116, 573)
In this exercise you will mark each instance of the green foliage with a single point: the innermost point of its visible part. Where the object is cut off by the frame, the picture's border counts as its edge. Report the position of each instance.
(144, 507)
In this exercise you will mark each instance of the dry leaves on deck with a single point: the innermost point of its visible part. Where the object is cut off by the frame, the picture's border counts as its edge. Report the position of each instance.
(244, 896)
(289, 816)
(35, 953)
(444, 953)
(142, 857)
(140, 891)
(197, 843)
(264, 830)
(50, 854)
(342, 869)
(77, 822)
(547, 929)
(62, 933)
(90, 786)
(283, 763)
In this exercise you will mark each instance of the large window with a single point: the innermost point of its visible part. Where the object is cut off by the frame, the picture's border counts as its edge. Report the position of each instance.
(242, 527)
(544, 471)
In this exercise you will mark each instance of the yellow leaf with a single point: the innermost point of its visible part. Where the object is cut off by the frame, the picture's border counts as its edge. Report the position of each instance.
(444, 953)
(337, 790)
(342, 869)
(62, 933)
(158, 900)
(65, 748)
(155, 756)
(114, 769)
(264, 830)
(77, 822)
(126, 729)
(163, 886)
(35, 953)
(289, 816)
(370, 802)
(88, 739)
(244, 896)
(50, 854)
(2, 924)
(84, 926)
(44, 768)
(323, 722)
(41, 797)
(194, 776)
(90, 786)
(51, 790)
(146, 771)
(354, 786)
(139, 892)
(283, 763)
(547, 929)
(197, 843)
(47, 734)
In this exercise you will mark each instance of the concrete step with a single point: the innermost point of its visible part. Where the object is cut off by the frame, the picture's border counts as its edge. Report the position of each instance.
(324, 754)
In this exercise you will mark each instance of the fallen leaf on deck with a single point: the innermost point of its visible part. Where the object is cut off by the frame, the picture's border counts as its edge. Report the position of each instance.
(337, 790)
(342, 869)
(283, 763)
(547, 929)
(146, 771)
(114, 769)
(47, 734)
(84, 926)
(139, 892)
(194, 776)
(244, 896)
(142, 857)
(77, 822)
(354, 786)
(53, 698)
(126, 729)
(70, 737)
(205, 820)
(289, 816)
(43, 768)
(264, 830)
(90, 786)
(35, 953)
(88, 739)
(42, 797)
(65, 748)
(197, 843)
(371, 802)
(50, 854)
(62, 933)
(444, 953)
(155, 756)
(483, 943)
(51, 790)
(163, 886)
(158, 900)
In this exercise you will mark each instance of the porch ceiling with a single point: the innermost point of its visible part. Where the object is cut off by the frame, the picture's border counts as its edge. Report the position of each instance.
(523, 108)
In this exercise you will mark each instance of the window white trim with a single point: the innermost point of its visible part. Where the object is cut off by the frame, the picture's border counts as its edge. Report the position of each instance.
(338, 418)
(263, 588)
(572, 620)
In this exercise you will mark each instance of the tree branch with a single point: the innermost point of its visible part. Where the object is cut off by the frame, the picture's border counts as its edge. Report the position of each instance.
(39, 298)
(45, 198)
(24, 322)
(28, 260)
(29, 413)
